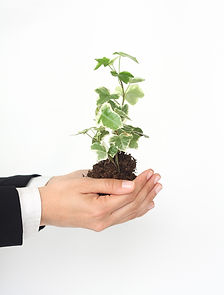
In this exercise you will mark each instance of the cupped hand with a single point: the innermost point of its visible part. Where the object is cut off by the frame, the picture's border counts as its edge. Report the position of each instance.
(72, 200)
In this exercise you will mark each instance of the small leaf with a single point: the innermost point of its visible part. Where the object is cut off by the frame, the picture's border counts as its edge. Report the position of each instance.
(104, 95)
(112, 150)
(97, 109)
(109, 118)
(121, 113)
(114, 73)
(139, 131)
(113, 104)
(101, 100)
(133, 93)
(121, 141)
(125, 76)
(100, 134)
(121, 131)
(126, 55)
(103, 91)
(84, 131)
(112, 61)
(133, 130)
(125, 108)
(134, 141)
(114, 96)
(136, 80)
(102, 61)
(128, 128)
(100, 149)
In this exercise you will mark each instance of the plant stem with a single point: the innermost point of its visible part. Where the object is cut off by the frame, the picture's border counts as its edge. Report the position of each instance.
(121, 83)
(88, 135)
(111, 68)
(127, 89)
(112, 160)
(123, 93)
(117, 162)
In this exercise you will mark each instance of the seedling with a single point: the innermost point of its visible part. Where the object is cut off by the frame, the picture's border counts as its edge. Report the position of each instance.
(112, 136)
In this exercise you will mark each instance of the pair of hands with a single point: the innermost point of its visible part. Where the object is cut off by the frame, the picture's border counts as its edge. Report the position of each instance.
(72, 200)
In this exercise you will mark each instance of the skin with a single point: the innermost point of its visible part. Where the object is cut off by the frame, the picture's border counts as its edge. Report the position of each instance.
(72, 200)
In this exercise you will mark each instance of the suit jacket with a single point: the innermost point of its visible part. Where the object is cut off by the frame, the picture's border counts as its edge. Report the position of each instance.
(11, 228)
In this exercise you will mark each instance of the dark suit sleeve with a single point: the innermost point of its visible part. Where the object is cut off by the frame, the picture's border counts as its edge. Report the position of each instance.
(11, 229)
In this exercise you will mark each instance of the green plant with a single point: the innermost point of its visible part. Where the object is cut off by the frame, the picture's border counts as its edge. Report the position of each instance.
(111, 114)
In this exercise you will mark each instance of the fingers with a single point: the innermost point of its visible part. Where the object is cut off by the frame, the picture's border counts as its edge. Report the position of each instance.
(115, 202)
(149, 189)
(136, 214)
(141, 180)
(135, 199)
(106, 186)
(150, 197)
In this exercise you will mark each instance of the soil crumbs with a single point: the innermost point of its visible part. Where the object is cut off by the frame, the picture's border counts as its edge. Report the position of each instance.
(106, 169)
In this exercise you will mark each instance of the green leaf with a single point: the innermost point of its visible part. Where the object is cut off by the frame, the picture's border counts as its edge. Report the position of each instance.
(114, 96)
(112, 150)
(121, 141)
(112, 61)
(103, 91)
(100, 149)
(125, 108)
(125, 76)
(121, 113)
(101, 100)
(109, 118)
(121, 131)
(126, 55)
(102, 61)
(113, 104)
(136, 80)
(104, 95)
(114, 73)
(100, 134)
(134, 141)
(133, 130)
(139, 131)
(85, 131)
(97, 110)
(133, 93)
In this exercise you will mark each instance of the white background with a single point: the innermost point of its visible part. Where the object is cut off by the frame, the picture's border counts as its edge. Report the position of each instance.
(47, 82)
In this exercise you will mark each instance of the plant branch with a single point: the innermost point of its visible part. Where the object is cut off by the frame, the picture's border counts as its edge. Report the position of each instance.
(111, 68)
(89, 135)
(123, 92)
(127, 89)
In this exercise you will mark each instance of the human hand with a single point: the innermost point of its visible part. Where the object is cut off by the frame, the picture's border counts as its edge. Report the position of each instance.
(73, 200)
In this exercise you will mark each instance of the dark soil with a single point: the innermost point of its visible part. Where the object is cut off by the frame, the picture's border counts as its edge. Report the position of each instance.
(107, 169)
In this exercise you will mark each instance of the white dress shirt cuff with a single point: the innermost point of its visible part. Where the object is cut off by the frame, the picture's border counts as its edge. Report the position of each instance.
(38, 181)
(30, 203)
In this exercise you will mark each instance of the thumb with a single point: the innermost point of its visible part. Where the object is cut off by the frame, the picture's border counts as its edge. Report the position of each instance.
(107, 186)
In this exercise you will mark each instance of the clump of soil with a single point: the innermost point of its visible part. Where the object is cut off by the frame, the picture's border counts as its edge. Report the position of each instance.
(106, 169)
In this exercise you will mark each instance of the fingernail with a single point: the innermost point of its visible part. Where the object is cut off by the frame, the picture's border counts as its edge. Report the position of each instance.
(127, 184)
(152, 205)
(157, 178)
(150, 173)
(158, 188)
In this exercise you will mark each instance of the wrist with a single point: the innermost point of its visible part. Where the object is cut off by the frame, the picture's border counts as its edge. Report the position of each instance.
(42, 192)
